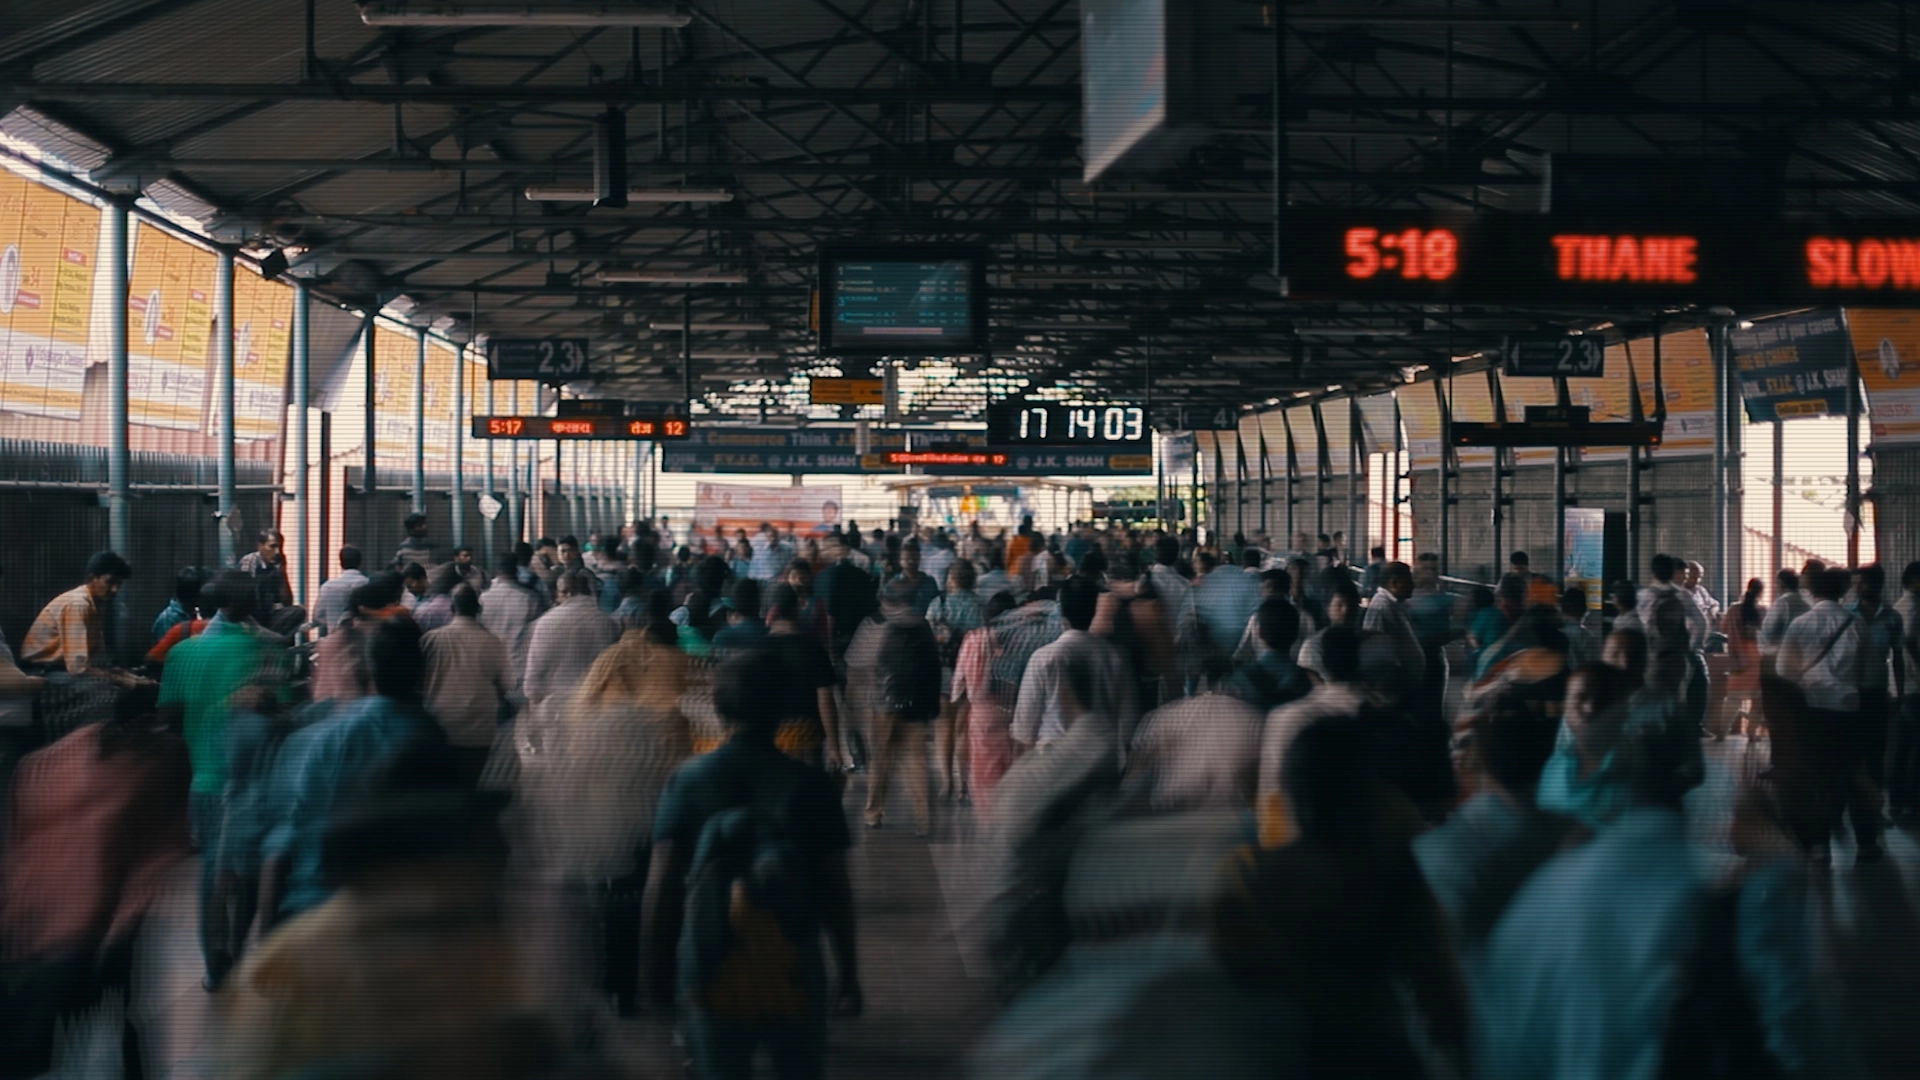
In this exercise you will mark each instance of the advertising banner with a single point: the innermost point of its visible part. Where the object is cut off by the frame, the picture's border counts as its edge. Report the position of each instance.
(1470, 398)
(1586, 547)
(774, 450)
(1518, 393)
(1608, 400)
(1306, 440)
(439, 404)
(1887, 344)
(800, 510)
(1793, 367)
(1336, 418)
(1420, 413)
(262, 336)
(1378, 426)
(1687, 375)
(395, 355)
(48, 242)
(170, 287)
(1273, 429)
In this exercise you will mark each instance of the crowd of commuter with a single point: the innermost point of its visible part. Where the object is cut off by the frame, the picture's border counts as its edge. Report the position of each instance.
(1406, 831)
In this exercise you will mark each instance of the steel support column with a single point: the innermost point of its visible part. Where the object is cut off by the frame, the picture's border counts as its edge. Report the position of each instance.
(1449, 461)
(119, 457)
(1779, 495)
(515, 534)
(459, 440)
(223, 397)
(420, 422)
(492, 485)
(302, 401)
(1853, 519)
(369, 482)
(1356, 537)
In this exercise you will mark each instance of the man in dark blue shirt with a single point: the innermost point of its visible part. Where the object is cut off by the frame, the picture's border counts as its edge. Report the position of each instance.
(1272, 679)
(739, 774)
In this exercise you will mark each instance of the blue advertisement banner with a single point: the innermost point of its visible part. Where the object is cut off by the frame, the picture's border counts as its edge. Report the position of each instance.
(1794, 367)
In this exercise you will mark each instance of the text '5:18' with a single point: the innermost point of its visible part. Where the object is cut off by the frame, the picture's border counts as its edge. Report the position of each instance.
(1415, 254)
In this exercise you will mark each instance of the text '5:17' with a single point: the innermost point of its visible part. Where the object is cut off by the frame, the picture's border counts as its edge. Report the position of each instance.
(1415, 254)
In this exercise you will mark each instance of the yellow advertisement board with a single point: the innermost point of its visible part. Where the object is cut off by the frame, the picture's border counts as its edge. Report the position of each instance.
(1470, 398)
(48, 243)
(1306, 440)
(1687, 378)
(440, 406)
(1420, 415)
(1273, 429)
(1886, 345)
(1609, 400)
(1336, 418)
(262, 321)
(395, 355)
(1516, 394)
(170, 282)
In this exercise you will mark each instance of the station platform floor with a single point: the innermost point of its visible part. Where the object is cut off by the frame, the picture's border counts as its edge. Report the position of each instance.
(926, 1000)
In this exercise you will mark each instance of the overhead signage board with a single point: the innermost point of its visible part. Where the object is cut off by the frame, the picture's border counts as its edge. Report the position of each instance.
(1033, 461)
(1443, 257)
(847, 391)
(549, 360)
(902, 301)
(1197, 417)
(1794, 367)
(1053, 423)
(582, 428)
(1554, 356)
(763, 450)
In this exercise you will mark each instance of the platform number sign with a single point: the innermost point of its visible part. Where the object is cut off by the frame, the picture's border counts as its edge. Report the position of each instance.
(1209, 418)
(551, 360)
(1555, 356)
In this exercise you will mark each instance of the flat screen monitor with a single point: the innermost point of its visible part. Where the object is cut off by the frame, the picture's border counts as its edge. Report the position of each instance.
(903, 301)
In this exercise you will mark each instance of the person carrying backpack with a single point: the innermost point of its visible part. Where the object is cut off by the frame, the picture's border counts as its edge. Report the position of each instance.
(749, 873)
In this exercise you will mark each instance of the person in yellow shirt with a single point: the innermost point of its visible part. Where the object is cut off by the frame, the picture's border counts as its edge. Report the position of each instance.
(70, 632)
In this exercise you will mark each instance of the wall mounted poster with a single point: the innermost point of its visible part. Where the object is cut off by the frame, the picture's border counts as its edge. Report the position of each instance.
(169, 313)
(48, 243)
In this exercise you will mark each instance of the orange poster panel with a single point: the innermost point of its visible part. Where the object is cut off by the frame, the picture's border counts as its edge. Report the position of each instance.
(262, 337)
(47, 247)
(1887, 344)
(1470, 398)
(1273, 428)
(1420, 415)
(1518, 393)
(1686, 377)
(1306, 440)
(1336, 417)
(440, 406)
(1609, 400)
(166, 384)
(395, 355)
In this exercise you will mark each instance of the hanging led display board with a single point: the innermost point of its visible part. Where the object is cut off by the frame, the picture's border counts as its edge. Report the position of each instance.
(1449, 258)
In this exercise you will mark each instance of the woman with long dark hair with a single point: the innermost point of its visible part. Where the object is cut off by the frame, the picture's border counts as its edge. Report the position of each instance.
(1739, 669)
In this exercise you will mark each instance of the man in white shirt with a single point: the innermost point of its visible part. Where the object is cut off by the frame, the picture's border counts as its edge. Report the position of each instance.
(1789, 603)
(466, 679)
(1387, 614)
(1696, 585)
(1818, 754)
(1665, 569)
(508, 612)
(332, 603)
(565, 643)
(937, 557)
(1042, 713)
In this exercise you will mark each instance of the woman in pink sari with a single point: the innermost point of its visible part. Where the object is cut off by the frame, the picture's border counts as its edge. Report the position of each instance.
(989, 746)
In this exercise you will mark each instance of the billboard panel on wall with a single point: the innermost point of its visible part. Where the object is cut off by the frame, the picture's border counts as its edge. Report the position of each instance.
(47, 246)
(169, 303)
(1887, 345)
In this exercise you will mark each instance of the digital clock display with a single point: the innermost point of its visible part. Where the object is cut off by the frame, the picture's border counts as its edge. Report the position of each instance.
(563, 428)
(1048, 423)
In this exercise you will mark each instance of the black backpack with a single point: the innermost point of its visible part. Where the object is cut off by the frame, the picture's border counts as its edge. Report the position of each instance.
(749, 902)
(1715, 1031)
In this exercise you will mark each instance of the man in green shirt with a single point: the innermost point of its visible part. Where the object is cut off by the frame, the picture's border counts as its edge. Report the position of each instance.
(201, 675)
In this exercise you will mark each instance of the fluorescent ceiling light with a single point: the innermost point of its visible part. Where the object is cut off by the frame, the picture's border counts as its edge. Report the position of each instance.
(714, 327)
(1199, 380)
(586, 193)
(1196, 246)
(1353, 331)
(563, 13)
(1030, 277)
(1184, 196)
(733, 354)
(661, 277)
(1047, 328)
